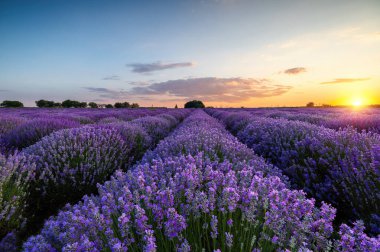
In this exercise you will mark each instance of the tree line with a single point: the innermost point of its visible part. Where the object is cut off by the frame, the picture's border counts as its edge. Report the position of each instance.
(77, 104)
(68, 104)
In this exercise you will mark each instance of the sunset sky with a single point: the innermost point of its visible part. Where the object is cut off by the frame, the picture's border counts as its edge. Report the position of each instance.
(227, 53)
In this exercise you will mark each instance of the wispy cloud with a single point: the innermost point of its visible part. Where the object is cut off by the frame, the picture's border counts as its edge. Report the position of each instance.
(295, 70)
(112, 77)
(4, 90)
(345, 80)
(108, 93)
(139, 83)
(101, 90)
(157, 66)
(214, 89)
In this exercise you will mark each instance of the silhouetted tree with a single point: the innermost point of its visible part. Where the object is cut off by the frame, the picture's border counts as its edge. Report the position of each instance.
(109, 106)
(176, 106)
(83, 105)
(122, 105)
(47, 104)
(93, 105)
(73, 104)
(310, 104)
(11, 104)
(135, 105)
(194, 104)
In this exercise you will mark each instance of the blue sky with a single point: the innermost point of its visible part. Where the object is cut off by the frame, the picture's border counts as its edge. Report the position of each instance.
(227, 53)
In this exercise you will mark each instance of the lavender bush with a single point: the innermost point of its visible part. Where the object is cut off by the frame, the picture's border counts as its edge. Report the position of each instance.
(16, 172)
(32, 131)
(156, 127)
(9, 122)
(70, 162)
(334, 166)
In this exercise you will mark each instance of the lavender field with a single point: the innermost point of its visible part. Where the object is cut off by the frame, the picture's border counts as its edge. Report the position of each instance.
(190, 180)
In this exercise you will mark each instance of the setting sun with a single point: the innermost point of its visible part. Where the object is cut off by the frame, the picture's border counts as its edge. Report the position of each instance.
(357, 103)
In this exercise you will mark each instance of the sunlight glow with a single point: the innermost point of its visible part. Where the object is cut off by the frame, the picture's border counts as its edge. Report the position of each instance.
(357, 103)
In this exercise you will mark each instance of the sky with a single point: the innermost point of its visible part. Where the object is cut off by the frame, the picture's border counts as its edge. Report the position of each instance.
(227, 53)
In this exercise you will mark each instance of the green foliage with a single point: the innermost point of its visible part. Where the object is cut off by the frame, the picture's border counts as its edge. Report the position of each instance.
(73, 104)
(11, 104)
(135, 105)
(194, 104)
(83, 104)
(126, 105)
(122, 105)
(93, 105)
(47, 104)
(109, 106)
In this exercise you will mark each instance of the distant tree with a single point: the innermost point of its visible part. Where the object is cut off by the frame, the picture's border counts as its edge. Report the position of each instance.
(194, 104)
(73, 104)
(57, 104)
(93, 105)
(11, 104)
(310, 104)
(47, 104)
(83, 105)
(135, 105)
(122, 105)
(109, 106)
(176, 106)
(68, 103)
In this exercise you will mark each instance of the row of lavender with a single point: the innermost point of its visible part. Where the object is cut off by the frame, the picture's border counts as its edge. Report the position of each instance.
(340, 167)
(367, 119)
(20, 128)
(67, 164)
(201, 190)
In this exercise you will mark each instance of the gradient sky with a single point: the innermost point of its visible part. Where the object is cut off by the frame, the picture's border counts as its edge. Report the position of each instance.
(226, 53)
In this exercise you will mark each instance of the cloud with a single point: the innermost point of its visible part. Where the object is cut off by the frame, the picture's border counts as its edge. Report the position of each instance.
(157, 66)
(101, 90)
(4, 90)
(214, 89)
(295, 70)
(139, 83)
(112, 77)
(345, 80)
(108, 93)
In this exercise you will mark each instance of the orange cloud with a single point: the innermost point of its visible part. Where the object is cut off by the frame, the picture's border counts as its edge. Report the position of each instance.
(295, 70)
(345, 80)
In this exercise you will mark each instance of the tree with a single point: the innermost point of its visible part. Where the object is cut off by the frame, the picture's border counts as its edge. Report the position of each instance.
(73, 104)
(310, 104)
(135, 105)
(326, 106)
(176, 106)
(109, 106)
(93, 105)
(83, 105)
(67, 103)
(122, 105)
(11, 104)
(47, 104)
(194, 104)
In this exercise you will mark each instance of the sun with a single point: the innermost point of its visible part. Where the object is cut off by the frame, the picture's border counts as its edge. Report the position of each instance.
(357, 103)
